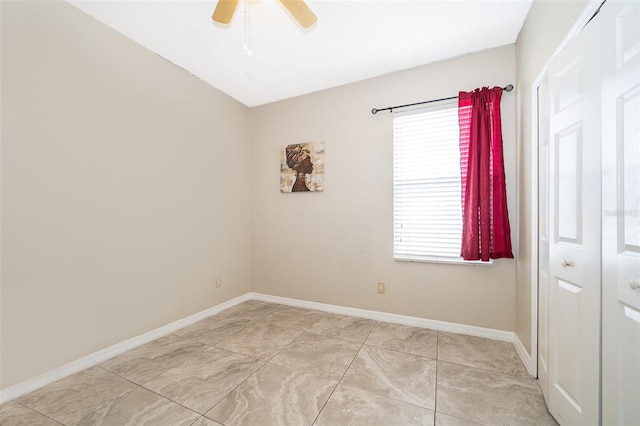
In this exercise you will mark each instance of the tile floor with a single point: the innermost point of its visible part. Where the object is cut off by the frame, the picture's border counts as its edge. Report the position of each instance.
(263, 364)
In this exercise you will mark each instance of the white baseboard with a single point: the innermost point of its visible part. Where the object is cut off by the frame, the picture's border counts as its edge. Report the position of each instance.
(22, 388)
(489, 333)
(524, 355)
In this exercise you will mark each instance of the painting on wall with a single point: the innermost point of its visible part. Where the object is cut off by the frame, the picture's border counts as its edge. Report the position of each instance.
(302, 167)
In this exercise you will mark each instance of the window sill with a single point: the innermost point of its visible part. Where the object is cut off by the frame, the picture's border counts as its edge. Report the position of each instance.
(452, 261)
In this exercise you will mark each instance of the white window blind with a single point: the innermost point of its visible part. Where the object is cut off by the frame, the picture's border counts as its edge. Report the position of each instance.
(427, 201)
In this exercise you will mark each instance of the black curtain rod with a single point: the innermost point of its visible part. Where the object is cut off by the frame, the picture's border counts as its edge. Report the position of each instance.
(508, 88)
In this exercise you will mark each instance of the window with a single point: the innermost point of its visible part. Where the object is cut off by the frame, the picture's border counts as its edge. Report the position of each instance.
(427, 201)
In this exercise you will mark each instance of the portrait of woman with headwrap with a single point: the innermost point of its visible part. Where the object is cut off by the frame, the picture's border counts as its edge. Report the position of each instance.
(302, 167)
(299, 159)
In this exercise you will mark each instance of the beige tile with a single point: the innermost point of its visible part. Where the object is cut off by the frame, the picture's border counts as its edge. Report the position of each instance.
(479, 352)
(14, 414)
(404, 338)
(488, 397)
(351, 406)
(70, 399)
(203, 421)
(316, 354)
(148, 361)
(343, 327)
(445, 420)
(294, 318)
(275, 395)
(205, 378)
(213, 329)
(252, 310)
(138, 408)
(260, 340)
(252, 304)
(405, 377)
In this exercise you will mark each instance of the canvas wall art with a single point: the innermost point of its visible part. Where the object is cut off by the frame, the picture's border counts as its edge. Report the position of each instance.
(302, 167)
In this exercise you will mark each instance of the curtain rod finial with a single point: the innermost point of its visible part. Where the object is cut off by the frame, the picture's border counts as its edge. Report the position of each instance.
(509, 87)
(373, 111)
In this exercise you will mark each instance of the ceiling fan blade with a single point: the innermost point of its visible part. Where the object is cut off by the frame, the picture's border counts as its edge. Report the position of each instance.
(301, 12)
(224, 11)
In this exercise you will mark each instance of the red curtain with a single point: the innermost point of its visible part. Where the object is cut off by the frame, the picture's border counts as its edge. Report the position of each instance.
(485, 229)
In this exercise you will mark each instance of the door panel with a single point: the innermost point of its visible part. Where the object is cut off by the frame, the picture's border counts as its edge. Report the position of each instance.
(568, 380)
(621, 213)
(574, 240)
(568, 182)
(628, 111)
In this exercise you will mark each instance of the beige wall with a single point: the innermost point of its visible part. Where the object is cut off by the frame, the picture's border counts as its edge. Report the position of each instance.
(125, 190)
(335, 245)
(544, 29)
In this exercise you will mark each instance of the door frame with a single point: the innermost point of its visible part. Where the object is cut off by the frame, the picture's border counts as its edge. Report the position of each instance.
(590, 9)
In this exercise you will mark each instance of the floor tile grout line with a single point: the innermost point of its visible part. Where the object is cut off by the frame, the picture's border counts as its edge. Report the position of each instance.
(375, 323)
(36, 411)
(344, 373)
(303, 330)
(390, 397)
(142, 386)
(466, 420)
(306, 330)
(400, 351)
(99, 405)
(333, 337)
(438, 332)
(282, 349)
(191, 409)
(213, 346)
(159, 374)
(490, 370)
(265, 362)
(224, 337)
(194, 422)
(108, 402)
(364, 343)
(232, 390)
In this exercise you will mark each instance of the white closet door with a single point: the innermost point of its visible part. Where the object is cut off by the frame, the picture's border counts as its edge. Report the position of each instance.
(574, 230)
(621, 213)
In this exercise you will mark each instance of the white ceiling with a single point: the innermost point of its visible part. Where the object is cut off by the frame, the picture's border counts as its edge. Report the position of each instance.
(353, 39)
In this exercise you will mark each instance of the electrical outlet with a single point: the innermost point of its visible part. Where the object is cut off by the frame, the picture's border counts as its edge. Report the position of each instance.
(218, 282)
(380, 288)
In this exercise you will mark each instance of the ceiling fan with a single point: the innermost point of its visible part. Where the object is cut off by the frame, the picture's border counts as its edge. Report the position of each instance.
(298, 9)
